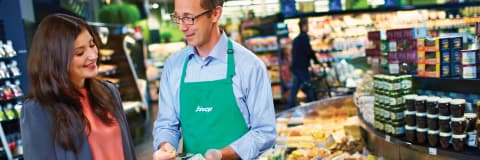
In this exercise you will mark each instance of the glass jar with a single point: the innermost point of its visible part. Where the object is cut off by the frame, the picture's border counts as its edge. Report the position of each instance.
(458, 125)
(420, 104)
(432, 121)
(471, 121)
(410, 102)
(398, 128)
(457, 107)
(431, 104)
(444, 123)
(411, 133)
(444, 106)
(421, 120)
(433, 137)
(458, 141)
(388, 128)
(379, 124)
(410, 118)
(396, 113)
(445, 138)
(421, 135)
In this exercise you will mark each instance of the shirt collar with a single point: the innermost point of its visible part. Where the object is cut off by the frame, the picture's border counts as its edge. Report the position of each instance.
(218, 52)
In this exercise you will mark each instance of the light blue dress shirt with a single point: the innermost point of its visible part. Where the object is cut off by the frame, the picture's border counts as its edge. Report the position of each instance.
(251, 86)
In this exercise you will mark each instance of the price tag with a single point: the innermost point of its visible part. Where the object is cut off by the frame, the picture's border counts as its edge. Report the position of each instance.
(388, 138)
(432, 151)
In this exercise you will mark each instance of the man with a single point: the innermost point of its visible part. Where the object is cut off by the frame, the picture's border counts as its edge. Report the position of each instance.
(302, 53)
(215, 90)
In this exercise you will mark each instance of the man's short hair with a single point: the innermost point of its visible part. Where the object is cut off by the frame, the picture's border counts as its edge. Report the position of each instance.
(211, 4)
(302, 22)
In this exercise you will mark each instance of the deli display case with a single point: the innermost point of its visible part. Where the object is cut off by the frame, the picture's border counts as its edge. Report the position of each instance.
(335, 128)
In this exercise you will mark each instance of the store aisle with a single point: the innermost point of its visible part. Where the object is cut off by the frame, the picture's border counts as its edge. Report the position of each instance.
(144, 150)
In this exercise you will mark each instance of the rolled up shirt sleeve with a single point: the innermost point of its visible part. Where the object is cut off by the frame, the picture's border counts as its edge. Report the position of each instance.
(259, 102)
(166, 126)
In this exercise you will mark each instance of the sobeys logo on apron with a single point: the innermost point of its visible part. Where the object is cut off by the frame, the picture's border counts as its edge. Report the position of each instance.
(203, 109)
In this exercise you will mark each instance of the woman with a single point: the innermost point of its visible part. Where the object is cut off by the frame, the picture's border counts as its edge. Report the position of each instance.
(68, 114)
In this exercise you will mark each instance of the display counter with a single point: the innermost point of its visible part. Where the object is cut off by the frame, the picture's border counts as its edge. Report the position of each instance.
(331, 129)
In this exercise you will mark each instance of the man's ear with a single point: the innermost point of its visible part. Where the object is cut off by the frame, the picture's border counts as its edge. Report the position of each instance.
(216, 14)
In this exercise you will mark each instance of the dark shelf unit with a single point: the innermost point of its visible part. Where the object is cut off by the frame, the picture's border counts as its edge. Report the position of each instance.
(447, 84)
(449, 6)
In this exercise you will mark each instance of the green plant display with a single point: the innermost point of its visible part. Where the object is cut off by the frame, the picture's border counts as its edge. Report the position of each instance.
(119, 13)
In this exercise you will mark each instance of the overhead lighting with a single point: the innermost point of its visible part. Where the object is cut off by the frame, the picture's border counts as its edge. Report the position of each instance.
(237, 3)
(155, 5)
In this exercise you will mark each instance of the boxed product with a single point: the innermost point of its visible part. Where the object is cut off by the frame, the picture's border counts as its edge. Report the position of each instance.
(468, 57)
(432, 57)
(428, 70)
(455, 56)
(455, 69)
(469, 71)
(374, 36)
(444, 43)
(445, 54)
(420, 32)
(432, 45)
(421, 44)
(456, 43)
(445, 70)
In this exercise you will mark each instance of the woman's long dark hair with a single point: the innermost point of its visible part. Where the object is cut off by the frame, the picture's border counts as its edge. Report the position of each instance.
(49, 62)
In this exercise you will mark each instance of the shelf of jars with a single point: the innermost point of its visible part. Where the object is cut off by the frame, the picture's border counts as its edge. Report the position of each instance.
(379, 143)
(416, 123)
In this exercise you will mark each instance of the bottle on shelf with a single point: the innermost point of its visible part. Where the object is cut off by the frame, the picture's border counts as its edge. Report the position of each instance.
(11, 112)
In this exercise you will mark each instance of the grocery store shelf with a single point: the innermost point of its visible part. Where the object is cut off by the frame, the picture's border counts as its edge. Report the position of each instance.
(388, 9)
(107, 70)
(447, 84)
(131, 106)
(264, 51)
(398, 148)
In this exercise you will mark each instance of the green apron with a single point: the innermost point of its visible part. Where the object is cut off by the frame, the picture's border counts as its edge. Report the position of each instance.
(209, 114)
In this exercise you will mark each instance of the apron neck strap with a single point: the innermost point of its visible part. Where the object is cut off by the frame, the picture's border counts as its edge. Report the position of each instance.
(230, 63)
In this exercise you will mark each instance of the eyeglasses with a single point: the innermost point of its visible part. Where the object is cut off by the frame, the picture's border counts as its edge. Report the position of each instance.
(187, 20)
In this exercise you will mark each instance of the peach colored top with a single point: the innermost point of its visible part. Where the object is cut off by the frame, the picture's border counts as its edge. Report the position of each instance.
(105, 141)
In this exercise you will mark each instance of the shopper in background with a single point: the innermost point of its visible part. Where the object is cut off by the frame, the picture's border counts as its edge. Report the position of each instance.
(68, 114)
(215, 90)
(302, 53)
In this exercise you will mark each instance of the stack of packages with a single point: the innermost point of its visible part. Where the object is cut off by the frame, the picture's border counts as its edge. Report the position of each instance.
(396, 48)
(439, 57)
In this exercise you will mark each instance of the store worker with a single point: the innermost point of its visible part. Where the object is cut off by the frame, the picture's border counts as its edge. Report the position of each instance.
(68, 114)
(214, 93)
(302, 53)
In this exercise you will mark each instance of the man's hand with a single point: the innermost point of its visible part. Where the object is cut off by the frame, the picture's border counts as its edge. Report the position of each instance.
(165, 152)
(213, 154)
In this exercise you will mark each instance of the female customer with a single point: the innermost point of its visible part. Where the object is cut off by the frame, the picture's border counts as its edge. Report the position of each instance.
(68, 114)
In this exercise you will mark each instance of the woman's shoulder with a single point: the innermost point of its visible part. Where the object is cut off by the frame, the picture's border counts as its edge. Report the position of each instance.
(32, 107)
(32, 104)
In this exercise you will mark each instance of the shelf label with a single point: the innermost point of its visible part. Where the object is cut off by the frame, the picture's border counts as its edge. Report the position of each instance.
(432, 151)
(388, 138)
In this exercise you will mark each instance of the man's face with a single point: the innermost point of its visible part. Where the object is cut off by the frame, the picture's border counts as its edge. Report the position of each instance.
(198, 33)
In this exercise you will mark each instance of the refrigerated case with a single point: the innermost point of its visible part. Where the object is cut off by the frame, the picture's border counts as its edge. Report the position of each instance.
(332, 129)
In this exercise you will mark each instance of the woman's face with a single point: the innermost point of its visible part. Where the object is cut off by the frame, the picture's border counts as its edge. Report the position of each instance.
(84, 61)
